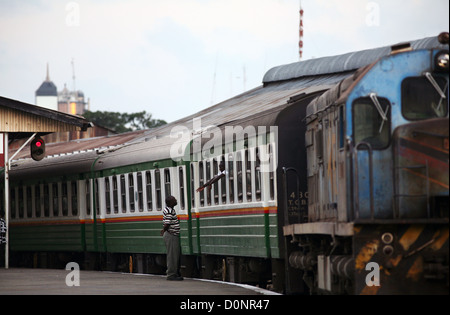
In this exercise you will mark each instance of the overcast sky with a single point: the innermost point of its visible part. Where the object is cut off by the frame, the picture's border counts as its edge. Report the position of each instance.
(174, 58)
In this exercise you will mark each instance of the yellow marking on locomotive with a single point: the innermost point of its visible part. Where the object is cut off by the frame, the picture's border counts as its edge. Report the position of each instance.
(365, 254)
(373, 290)
(440, 240)
(411, 235)
(416, 269)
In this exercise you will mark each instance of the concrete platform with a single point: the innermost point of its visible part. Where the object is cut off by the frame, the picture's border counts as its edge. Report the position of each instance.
(53, 282)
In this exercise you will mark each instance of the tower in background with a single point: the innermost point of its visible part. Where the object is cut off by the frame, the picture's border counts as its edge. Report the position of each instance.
(67, 101)
(300, 42)
(46, 95)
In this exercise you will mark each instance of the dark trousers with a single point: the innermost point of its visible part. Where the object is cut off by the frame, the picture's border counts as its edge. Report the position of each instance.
(173, 254)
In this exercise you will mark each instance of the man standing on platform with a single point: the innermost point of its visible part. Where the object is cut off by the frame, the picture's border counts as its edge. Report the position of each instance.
(171, 234)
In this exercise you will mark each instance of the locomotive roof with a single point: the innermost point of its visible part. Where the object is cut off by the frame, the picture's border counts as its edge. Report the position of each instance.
(342, 63)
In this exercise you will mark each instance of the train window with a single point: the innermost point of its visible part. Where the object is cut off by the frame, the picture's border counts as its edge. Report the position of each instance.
(88, 197)
(123, 193)
(257, 176)
(46, 200)
(368, 123)
(37, 200)
(248, 173)
(216, 185)
(202, 181)
(271, 173)
(108, 195)
(167, 185)
(74, 197)
(64, 199)
(181, 179)
(239, 176)
(97, 197)
(140, 192)
(422, 100)
(55, 199)
(158, 190)
(148, 181)
(115, 195)
(13, 202)
(29, 202)
(231, 178)
(208, 177)
(131, 196)
(192, 186)
(21, 202)
(223, 186)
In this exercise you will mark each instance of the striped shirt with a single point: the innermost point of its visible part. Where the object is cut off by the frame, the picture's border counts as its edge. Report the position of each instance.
(170, 218)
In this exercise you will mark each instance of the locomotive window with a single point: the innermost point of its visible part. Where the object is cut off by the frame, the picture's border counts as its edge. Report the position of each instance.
(421, 100)
(368, 124)
(248, 176)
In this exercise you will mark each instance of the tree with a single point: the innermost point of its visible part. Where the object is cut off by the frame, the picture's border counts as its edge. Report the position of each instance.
(123, 122)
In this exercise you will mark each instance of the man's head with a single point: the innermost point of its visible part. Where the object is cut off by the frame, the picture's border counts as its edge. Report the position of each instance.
(171, 201)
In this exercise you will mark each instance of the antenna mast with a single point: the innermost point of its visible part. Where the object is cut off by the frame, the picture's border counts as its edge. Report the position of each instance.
(300, 43)
(73, 74)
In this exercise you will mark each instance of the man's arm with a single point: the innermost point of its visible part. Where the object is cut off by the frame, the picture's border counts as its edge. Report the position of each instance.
(210, 182)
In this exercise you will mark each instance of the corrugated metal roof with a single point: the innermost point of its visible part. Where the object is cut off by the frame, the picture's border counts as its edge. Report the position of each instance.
(17, 116)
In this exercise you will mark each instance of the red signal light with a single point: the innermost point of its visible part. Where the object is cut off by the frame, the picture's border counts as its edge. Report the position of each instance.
(38, 144)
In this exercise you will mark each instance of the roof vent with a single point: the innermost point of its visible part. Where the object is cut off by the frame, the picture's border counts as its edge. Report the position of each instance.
(402, 47)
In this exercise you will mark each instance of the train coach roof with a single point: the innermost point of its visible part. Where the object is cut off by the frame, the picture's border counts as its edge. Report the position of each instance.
(341, 63)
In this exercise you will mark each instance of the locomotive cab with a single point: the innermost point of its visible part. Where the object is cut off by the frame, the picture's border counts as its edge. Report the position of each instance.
(377, 168)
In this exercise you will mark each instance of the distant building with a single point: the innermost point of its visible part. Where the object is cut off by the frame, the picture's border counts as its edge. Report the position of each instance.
(71, 102)
(66, 101)
(46, 94)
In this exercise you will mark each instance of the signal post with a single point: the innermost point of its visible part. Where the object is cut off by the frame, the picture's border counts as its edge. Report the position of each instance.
(20, 120)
